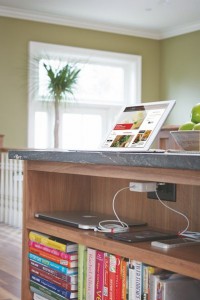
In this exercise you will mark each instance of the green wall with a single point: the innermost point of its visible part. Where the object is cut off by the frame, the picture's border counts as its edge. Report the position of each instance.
(170, 68)
(180, 74)
(15, 36)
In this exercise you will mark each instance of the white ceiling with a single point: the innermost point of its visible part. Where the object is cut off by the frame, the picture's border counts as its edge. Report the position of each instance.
(155, 19)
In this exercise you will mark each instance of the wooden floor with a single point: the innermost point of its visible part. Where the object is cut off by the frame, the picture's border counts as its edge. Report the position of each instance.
(10, 263)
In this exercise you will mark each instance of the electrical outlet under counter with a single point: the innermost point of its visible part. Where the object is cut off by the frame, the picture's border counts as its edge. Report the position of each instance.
(166, 192)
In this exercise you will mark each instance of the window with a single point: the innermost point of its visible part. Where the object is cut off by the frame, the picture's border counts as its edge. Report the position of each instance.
(106, 81)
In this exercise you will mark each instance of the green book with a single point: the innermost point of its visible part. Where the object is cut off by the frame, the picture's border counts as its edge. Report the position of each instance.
(81, 260)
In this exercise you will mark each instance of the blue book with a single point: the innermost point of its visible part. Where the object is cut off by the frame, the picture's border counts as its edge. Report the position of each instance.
(52, 264)
(53, 287)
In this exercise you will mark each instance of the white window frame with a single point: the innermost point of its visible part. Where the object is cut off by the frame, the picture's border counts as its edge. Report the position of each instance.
(132, 89)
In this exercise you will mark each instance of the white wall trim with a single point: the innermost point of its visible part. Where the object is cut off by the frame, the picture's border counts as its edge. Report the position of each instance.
(57, 20)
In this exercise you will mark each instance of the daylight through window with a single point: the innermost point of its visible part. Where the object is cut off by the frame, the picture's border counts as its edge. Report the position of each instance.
(107, 81)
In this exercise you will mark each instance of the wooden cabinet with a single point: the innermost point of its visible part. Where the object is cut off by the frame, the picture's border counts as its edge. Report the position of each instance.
(53, 186)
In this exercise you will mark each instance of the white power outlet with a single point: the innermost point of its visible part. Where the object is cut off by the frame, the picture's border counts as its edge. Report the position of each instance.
(142, 186)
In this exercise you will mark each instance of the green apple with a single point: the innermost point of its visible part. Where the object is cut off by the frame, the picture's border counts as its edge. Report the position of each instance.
(195, 113)
(196, 126)
(187, 126)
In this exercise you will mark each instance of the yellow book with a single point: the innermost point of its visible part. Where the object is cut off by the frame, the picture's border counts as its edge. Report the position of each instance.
(53, 242)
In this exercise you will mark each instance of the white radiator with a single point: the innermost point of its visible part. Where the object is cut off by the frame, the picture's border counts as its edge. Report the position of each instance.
(11, 187)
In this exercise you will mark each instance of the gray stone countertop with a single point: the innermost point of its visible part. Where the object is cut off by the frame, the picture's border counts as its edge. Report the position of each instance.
(153, 158)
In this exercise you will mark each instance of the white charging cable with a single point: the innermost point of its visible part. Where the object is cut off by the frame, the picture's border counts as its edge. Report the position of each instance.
(176, 211)
(116, 225)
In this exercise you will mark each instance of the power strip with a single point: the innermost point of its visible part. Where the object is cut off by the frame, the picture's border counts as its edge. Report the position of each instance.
(142, 186)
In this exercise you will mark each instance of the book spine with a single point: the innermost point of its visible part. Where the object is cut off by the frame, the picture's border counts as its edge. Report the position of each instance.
(52, 265)
(99, 275)
(37, 294)
(68, 256)
(124, 294)
(152, 271)
(46, 292)
(91, 269)
(118, 283)
(106, 277)
(138, 280)
(81, 250)
(39, 297)
(112, 276)
(131, 281)
(45, 240)
(53, 279)
(48, 241)
(84, 273)
(53, 287)
(73, 278)
(58, 260)
(145, 285)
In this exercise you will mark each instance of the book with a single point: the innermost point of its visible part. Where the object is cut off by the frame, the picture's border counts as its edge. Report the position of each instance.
(91, 269)
(45, 292)
(53, 287)
(39, 297)
(124, 278)
(145, 282)
(138, 279)
(81, 260)
(112, 276)
(106, 277)
(118, 283)
(52, 264)
(131, 284)
(68, 256)
(153, 283)
(177, 286)
(56, 259)
(53, 242)
(99, 275)
(85, 273)
(66, 285)
(70, 278)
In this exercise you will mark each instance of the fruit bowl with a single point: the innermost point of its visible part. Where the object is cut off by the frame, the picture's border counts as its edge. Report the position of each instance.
(188, 140)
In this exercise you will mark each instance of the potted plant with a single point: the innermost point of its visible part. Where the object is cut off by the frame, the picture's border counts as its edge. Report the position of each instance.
(61, 85)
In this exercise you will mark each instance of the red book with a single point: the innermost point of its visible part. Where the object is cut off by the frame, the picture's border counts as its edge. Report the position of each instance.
(67, 256)
(106, 277)
(99, 275)
(59, 282)
(112, 276)
(58, 260)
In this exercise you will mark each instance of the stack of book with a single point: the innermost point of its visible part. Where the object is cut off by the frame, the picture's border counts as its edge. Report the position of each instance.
(53, 267)
(106, 276)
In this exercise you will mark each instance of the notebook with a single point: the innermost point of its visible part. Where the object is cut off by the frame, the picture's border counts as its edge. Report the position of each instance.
(137, 126)
(82, 220)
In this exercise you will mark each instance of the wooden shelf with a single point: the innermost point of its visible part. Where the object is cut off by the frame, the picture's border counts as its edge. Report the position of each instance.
(186, 261)
(54, 186)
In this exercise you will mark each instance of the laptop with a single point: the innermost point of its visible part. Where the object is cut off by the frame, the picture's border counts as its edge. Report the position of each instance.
(133, 131)
(81, 219)
(137, 126)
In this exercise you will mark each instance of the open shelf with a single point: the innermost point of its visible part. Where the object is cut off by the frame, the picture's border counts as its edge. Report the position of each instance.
(185, 260)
